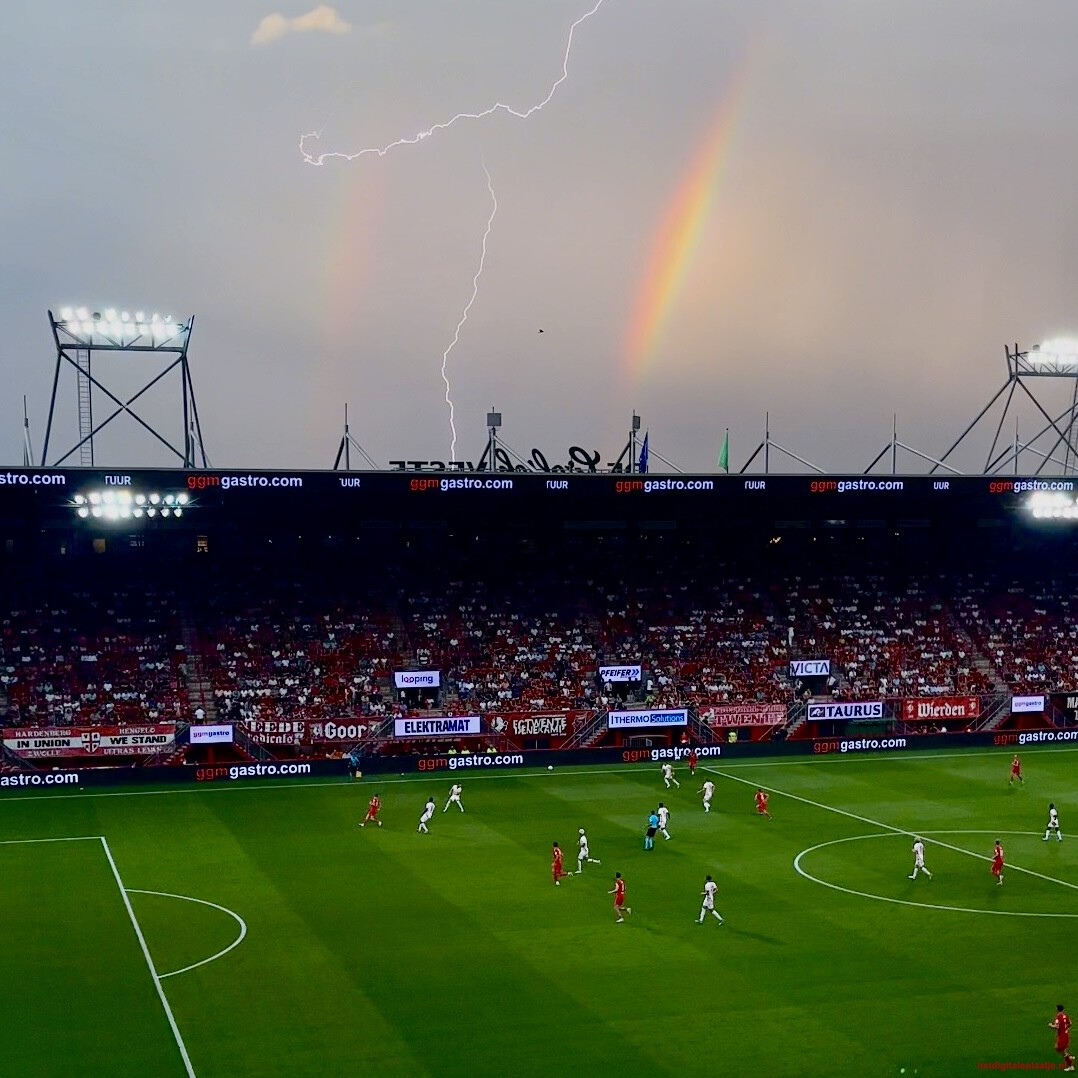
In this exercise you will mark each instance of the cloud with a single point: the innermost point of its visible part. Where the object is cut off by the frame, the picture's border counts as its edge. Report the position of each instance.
(323, 19)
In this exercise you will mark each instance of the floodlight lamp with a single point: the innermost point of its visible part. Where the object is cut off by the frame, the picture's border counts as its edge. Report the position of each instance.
(1058, 350)
(177, 512)
(169, 499)
(155, 498)
(95, 498)
(137, 512)
(82, 314)
(83, 512)
(96, 511)
(139, 316)
(151, 512)
(124, 497)
(79, 499)
(155, 318)
(125, 316)
(165, 512)
(108, 497)
(87, 327)
(66, 314)
(140, 499)
(110, 315)
(183, 498)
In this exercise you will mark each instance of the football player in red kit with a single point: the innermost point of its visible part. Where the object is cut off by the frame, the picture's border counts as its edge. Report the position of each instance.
(997, 862)
(619, 898)
(692, 761)
(1062, 1025)
(372, 812)
(1016, 772)
(761, 804)
(557, 866)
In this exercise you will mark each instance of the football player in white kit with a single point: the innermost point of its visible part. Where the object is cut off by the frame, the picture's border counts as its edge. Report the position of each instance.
(583, 856)
(668, 776)
(664, 816)
(919, 859)
(708, 790)
(428, 812)
(454, 797)
(1053, 824)
(710, 887)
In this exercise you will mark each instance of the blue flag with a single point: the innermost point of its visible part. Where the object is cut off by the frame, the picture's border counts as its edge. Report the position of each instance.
(643, 467)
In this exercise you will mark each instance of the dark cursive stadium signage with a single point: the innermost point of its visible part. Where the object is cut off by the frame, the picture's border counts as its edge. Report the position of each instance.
(580, 460)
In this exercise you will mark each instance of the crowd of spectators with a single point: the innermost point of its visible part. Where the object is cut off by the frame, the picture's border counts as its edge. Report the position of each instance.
(523, 630)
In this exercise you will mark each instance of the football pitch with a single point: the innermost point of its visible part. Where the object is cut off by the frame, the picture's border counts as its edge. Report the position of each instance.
(257, 930)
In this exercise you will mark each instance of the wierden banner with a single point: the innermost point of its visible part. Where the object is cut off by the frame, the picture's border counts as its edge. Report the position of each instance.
(40, 744)
(211, 735)
(417, 679)
(620, 673)
(744, 715)
(941, 708)
(627, 720)
(810, 667)
(454, 726)
(847, 709)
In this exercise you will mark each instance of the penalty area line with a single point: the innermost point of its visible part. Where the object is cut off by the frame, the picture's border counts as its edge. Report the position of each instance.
(885, 826)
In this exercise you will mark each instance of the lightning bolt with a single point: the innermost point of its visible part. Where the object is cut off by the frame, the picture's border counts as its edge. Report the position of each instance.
(464, 315)
(321, 158)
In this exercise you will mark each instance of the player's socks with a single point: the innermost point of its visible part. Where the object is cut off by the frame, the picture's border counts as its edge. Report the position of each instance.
(717, 916)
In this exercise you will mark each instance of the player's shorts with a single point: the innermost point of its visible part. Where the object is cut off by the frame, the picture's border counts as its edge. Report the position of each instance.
(997, 869)
(707, 800)
(651, 832)
(1063, 1042)
(919, 862)
(709, 903)
(583, 855)
(762, 809)
(1053, 825)
(619, 901)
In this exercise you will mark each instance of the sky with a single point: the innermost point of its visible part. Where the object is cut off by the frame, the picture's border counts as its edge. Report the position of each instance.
(829, 212)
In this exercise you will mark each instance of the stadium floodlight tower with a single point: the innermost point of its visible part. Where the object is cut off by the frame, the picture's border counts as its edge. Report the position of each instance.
(1056, 439)
(79, 334)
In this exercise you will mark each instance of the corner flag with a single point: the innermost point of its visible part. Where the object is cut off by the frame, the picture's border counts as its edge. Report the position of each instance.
(724, 453)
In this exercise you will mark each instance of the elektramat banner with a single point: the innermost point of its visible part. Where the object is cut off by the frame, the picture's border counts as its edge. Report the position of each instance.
(40, 744)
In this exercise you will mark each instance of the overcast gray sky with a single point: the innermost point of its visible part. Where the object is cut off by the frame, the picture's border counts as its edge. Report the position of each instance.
(884, 196)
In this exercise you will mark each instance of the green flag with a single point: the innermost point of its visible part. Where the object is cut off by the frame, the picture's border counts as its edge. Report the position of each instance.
(724, 453)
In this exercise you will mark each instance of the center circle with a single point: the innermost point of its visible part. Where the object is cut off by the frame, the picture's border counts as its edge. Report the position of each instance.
(801, 871)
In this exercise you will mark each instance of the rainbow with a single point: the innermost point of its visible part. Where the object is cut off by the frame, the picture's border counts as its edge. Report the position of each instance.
(683, 224)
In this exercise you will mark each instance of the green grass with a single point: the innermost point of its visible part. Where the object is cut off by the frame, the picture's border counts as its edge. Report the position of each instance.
(385, 952)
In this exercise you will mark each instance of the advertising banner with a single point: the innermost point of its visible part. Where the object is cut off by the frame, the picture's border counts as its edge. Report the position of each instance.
(941, 708)
(276, 731)
(449, 726)
(39, 744)
(1024, 705)
(744, 715)
(810, 667)
(620, 673)
(417, 679)
(630, 720)
(211, 735)
(338, 730)
(847, 709)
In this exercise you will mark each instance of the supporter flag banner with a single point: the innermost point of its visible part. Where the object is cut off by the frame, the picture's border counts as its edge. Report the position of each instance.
(540, 726)
(628, 720)
(211, 735)
(941, 708)
(810, 667)
(744, 715)
(620, 673)
(1024, 705)
(276, 731)
(38, 744)
(417, 679)
(450, 726)
(643, 464)
(847, 709)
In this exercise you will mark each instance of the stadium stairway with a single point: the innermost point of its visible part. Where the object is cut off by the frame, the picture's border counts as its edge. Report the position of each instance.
(199, 686)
